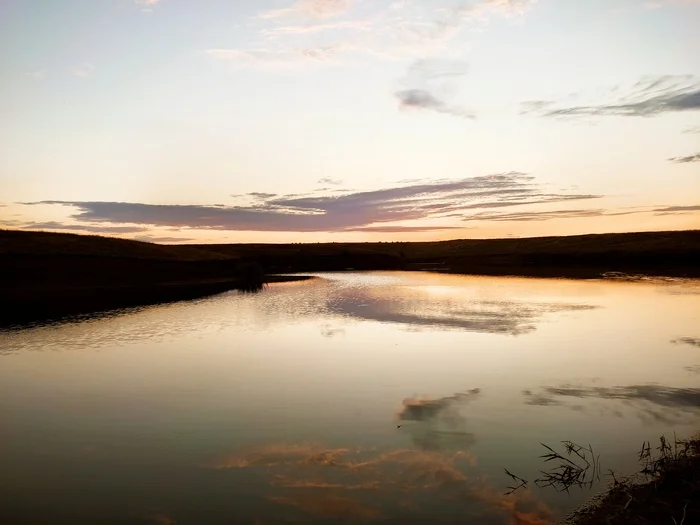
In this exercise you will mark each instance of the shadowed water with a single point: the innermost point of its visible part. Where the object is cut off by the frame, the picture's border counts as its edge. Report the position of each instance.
(353, 398)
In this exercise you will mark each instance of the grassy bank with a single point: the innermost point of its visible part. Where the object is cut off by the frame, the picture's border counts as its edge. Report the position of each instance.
(665, 490)
(44, 275)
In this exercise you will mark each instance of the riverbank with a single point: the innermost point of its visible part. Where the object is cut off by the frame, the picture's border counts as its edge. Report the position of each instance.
(666, 490)
(49, 275)
(27, 305)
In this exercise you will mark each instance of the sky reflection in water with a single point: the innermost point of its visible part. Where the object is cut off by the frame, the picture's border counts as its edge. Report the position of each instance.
(380, 397)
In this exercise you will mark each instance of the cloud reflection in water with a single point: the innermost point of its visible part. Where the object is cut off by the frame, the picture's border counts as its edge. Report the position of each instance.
(372, 486)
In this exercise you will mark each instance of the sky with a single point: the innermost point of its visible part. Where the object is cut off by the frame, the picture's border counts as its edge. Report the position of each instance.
(181, 121)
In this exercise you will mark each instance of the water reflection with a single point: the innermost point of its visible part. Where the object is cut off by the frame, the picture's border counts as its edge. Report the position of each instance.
(440, 424)
(283, 406)
(372, 486)
(416, 301)
(659, 403)
(421, 309)
(692, 341)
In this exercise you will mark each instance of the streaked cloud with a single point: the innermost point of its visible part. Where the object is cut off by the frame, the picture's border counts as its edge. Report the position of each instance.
(164, 239)
(403, 229)
(694, 129)
(676, 209)
(391, 33)
(336, 212)
(543, 215)
(275, 58)
(683, 160)
(330, 181)
(94, 228)
(650, 97)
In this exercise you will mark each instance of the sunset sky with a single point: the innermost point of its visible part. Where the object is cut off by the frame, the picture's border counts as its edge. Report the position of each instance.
(349, 120)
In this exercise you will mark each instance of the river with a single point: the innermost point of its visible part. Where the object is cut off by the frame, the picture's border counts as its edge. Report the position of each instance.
(380, 397)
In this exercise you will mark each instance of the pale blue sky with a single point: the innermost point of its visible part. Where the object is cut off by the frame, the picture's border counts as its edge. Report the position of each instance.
(135, 118)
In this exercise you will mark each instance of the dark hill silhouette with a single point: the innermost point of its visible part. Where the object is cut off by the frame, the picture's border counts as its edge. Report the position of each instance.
(48, 275)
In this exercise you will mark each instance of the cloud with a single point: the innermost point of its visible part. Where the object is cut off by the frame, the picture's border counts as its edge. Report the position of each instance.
(259, 195)
(689, 158)
(332, 182)
(542, 215)
(402, 229)
(391, 33)
(430, 199)
(291, 30)
(275, 58)
(695, 129)
(39, 74)
(83, 71)
(422, 92)
(166, 240)
(676, 209)
(310, 9)
(97, 228)
(651, 96)
(423, 99)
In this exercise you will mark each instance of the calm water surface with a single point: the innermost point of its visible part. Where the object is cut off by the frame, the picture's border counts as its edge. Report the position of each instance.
(282, 407)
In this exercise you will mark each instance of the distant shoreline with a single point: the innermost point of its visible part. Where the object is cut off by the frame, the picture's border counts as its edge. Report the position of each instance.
(53, 275)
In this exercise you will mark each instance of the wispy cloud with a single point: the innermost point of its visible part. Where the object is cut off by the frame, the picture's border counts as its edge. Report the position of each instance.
(694, 129)
(423, 99)
(39, 74)
(425, 79)
(156, 239)
(332, 182)
(402, 229)
(83, 71)
(543, 215)
(676, 209)
(425, 200)
(310, 9)
(275, 58)
(651, 96)
(96, 228)
(392, 33)
(683, 160)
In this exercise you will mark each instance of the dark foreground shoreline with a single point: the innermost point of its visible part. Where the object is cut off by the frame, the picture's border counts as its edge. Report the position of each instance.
(28, 306)
(46, 276)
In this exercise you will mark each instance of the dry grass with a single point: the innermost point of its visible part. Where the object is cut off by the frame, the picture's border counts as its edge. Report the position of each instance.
(666, 489)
